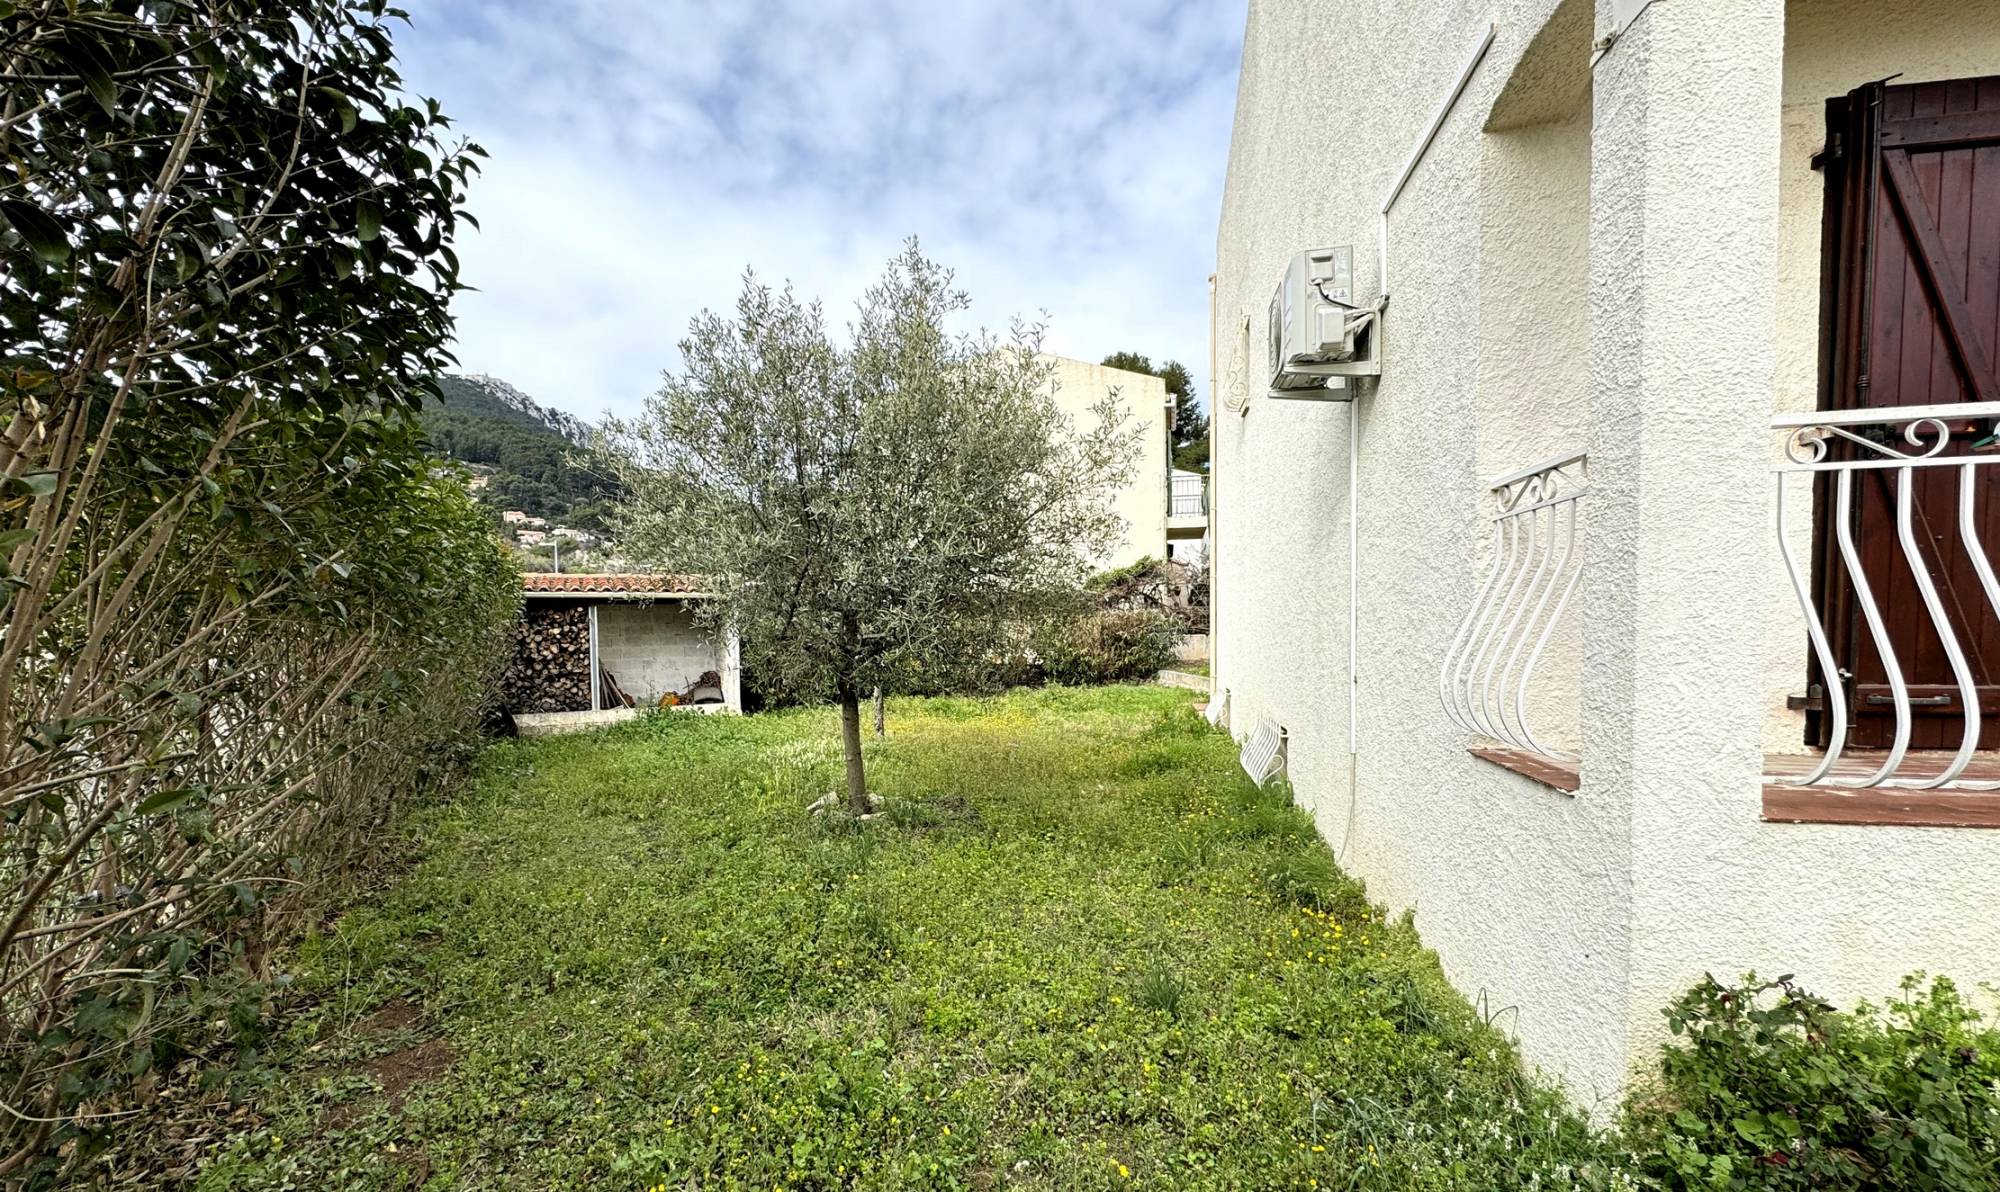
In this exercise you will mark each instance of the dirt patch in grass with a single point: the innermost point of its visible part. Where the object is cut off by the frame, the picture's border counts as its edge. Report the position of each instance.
(956, 808)
(396, 1073)
(921, 817)
(400, 1071)
(396, 1015)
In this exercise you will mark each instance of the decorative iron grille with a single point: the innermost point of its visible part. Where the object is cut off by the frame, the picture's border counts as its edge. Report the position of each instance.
(1263, 755)
(1489, 670)
(1905, 462)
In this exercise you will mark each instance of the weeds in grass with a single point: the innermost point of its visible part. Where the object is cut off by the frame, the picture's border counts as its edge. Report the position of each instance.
(1161, 992)
(874, 924)
(1308, 879)
(1180, 720)
(1270, 814)
(1184, 856)
(651, 967)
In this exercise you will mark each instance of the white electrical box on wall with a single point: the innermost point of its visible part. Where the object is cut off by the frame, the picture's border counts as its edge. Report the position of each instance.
(1316, 329)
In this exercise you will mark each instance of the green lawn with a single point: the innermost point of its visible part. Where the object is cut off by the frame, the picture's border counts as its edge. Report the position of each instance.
(1081, 952)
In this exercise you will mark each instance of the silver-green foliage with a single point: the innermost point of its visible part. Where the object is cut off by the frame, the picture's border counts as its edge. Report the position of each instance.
(867, 508)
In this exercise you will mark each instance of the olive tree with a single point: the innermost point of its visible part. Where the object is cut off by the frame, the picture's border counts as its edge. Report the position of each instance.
(895, 501)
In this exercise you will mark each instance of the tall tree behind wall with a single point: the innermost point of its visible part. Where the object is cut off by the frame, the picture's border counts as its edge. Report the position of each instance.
(1187, 439)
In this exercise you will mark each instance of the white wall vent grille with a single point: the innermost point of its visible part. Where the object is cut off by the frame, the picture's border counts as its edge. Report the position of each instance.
(1263, 755)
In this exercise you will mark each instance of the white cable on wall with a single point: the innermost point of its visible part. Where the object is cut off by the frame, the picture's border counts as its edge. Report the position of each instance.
(1438, 117)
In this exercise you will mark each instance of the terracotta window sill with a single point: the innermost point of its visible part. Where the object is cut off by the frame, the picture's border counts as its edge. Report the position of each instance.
(1910, 809)
(1790, 803)
(1550, 773)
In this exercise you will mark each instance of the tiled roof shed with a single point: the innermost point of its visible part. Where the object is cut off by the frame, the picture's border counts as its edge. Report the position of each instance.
(632, 640)
(616, 586)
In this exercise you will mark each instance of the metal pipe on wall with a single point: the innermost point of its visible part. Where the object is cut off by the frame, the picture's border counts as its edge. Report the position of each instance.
(1431, 131)
(1214, 503)
(1353, 589)
(1416, 158)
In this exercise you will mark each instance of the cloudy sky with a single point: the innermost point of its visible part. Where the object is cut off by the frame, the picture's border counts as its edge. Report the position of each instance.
(1062, 155)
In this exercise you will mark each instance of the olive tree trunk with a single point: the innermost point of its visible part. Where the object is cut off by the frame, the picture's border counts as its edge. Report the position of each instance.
(850, 745)
(878, 711)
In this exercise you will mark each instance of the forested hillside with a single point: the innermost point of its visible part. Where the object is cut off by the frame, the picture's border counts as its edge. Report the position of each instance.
(485, 421)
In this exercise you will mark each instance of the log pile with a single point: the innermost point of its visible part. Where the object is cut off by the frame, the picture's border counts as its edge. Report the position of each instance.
(550, 670)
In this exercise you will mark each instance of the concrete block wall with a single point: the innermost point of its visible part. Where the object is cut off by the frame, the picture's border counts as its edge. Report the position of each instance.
(654, 648)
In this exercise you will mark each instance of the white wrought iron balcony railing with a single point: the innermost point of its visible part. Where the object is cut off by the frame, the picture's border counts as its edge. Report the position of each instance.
(1900, 603)
(1188, 497)
(1488, 673)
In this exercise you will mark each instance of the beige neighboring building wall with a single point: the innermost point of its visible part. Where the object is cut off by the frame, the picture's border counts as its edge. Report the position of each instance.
(1142, 503)
(1620, 258)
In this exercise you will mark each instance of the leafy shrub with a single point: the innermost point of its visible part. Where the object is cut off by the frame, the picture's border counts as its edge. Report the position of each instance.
(241, 621)
(1107, 647)
(1775, 1089)
(1156, 585)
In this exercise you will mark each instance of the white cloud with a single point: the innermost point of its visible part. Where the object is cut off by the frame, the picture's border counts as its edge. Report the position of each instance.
(1061, 155)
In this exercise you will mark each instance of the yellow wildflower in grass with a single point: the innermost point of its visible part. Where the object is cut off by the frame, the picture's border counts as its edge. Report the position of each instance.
(1124, 1172)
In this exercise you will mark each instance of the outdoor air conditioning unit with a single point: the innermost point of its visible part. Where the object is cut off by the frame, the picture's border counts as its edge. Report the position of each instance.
(1316, 329)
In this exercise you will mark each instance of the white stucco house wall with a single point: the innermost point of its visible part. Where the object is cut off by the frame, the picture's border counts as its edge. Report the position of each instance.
(1607, 245)
(1142, 503)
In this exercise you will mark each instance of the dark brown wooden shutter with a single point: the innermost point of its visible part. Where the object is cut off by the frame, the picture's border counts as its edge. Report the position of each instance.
(1910, 316)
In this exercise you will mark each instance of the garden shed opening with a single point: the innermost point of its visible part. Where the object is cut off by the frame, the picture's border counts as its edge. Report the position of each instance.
(616, 644)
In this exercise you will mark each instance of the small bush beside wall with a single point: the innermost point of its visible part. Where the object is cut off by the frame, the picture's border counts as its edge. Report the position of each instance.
(1107, 647)
(1772, 1088)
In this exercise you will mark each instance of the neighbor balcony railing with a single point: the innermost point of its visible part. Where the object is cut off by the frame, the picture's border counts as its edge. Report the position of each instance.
(1912, 480)
(1489, 672)
(1188, 497)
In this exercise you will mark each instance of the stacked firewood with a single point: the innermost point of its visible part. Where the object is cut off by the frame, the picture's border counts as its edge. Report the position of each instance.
(550, 670)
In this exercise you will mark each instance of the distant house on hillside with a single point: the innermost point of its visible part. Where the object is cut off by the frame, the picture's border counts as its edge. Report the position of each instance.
(597, 643)
(1639, 620)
